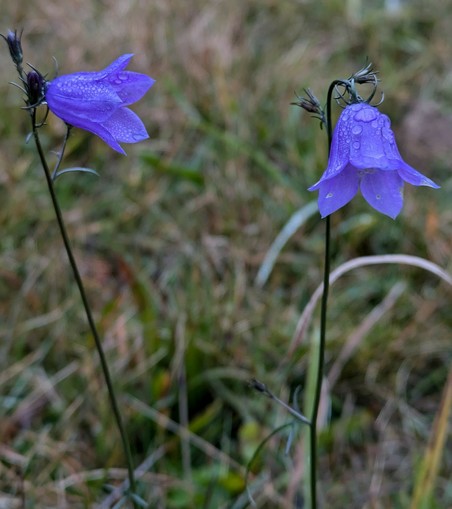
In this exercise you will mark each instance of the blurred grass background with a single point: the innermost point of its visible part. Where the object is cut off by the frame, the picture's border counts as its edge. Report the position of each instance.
(170, 239)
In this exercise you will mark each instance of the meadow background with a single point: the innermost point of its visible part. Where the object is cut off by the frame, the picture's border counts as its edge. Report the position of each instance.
(170, 240)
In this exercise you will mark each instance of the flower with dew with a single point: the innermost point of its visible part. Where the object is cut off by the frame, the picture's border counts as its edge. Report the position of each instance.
(364, 156)
(97, 102)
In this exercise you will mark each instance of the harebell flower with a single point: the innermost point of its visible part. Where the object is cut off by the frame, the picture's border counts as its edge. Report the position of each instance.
(96, 102)
(364, 156)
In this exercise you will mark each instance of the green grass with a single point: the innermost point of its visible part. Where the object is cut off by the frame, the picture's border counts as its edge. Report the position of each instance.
(170, 240)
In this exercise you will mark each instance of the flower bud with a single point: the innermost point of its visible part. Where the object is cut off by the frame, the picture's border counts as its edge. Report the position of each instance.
(35, 87)
(14, 46)
(311, 105)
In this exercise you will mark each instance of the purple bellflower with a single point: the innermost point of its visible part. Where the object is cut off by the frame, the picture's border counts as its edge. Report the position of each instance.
(364, 156)
(97, 102)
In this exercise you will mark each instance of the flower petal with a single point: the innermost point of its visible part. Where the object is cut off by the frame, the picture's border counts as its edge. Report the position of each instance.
(125, 126)
(336, 192)
(117, 66)
(130, 86)
(72, 97)
(99, 130)
(371, 140)
(339, 152)
(414, 177)
(383, 190)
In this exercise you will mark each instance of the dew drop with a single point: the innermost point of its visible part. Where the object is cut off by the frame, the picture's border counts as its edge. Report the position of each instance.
(356, 145)
(329, 195)
(387, 133)
(357, 129)
(374, 124)
(366, 114)
(378, 196)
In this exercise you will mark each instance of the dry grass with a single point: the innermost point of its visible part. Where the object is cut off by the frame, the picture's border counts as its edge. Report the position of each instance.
(170, 240)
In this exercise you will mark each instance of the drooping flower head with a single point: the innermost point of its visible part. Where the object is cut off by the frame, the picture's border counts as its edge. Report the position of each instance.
(364, 156)
(97, 102)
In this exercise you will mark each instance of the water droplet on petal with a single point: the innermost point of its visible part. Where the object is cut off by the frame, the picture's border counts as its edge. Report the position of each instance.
(329, 195)
(357, 129)
(378, 196)
(387, 133)
(374, 124)
(356, 145)
(366, 114)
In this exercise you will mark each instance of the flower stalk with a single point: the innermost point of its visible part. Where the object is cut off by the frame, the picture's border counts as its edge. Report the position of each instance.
(87, 308)
(323, 321)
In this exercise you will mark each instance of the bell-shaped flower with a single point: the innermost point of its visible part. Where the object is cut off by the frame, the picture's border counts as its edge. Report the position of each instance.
(97, 102)
(364, 156)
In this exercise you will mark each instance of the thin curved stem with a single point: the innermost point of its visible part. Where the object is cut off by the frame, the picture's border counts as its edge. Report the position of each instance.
(323, 317)
(61, 154)
(89, 316)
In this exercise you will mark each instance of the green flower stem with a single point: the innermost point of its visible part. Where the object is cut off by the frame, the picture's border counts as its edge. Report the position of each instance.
(323, 317)
(320, 368)
(78, 279)
(61, 154)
